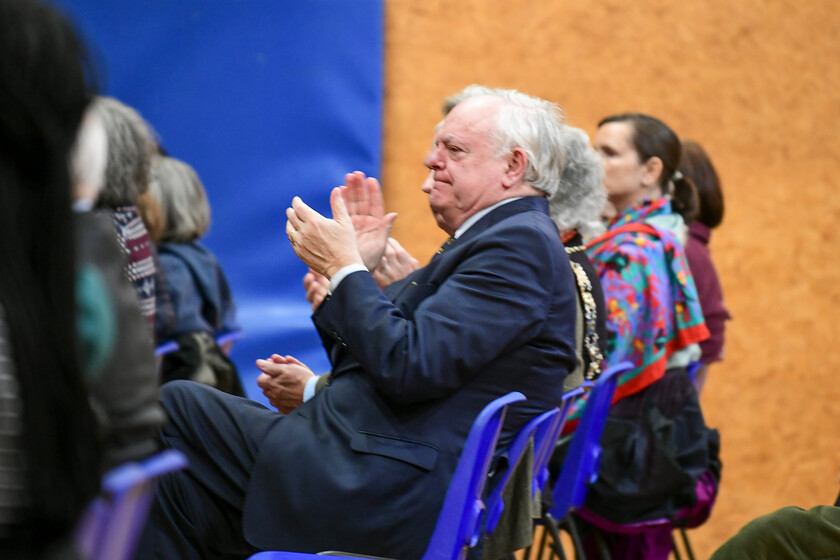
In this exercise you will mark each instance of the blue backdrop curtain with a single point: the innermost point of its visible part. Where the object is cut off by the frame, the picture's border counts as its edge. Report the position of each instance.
(266, 100)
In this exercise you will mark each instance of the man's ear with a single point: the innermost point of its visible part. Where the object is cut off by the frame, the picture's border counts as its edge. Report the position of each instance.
(517, 162)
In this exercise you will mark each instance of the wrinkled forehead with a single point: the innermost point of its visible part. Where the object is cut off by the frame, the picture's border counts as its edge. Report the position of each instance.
(473, 119)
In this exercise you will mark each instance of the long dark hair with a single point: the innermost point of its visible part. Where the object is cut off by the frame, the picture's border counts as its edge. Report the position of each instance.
(653, 138)
(43, 94)
(696, 165)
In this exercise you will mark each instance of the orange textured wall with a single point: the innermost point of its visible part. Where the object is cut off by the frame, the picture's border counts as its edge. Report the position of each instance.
(758, 84)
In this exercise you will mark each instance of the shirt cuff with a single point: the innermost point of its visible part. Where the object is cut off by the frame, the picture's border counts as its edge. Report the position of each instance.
(309, 389)
(342, 273)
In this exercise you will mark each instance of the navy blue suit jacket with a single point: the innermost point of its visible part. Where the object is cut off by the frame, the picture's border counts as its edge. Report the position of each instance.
(365, 464)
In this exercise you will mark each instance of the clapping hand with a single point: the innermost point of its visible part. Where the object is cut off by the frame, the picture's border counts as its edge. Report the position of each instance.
(366, 208)
(395, 264)
(282, 381)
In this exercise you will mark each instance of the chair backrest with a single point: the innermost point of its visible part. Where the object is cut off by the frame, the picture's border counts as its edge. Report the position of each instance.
(112, 523)
(459, 522)
(515, 452)
(544, 430)
(580, 467)
(691, 369)
(166, 348)
(545, 439)
(226, 339)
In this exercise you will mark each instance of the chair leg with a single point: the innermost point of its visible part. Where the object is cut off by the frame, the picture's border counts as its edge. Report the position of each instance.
(553, 528)
(576, 542)
(541, 548)
(689, 552)
(601, 542)
(674, 548)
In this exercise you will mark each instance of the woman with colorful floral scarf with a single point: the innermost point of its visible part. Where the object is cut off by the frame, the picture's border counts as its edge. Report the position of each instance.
(657, 451)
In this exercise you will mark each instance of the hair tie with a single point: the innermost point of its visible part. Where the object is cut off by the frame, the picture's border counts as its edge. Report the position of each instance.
(677, 176)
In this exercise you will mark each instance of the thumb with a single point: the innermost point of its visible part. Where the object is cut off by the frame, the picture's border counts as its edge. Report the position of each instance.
(339, 209)
(389, 219)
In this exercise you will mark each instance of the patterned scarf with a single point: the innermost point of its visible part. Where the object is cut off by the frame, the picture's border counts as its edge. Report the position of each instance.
(652, 304)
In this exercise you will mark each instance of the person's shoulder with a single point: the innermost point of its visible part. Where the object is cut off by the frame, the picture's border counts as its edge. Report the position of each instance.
(171, 258)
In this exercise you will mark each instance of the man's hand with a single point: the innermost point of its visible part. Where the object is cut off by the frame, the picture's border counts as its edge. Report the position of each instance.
(282, 381)
(317, 287)
(325, 245)
(366, 207)
(396, 264)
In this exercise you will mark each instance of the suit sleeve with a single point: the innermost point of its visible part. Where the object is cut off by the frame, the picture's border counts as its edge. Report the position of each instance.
(495, 300)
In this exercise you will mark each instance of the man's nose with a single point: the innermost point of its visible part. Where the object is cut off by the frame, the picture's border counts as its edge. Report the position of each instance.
(427, 185)
(433, 159)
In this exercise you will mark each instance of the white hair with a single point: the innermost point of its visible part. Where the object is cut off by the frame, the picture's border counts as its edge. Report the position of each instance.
(88, 159)
(580, 196)
(526, 122)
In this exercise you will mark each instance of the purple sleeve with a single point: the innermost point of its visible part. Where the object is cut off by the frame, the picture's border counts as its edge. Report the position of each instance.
(711, 299)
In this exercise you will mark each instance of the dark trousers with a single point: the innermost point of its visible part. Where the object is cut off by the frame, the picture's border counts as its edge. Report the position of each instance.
(197, 513)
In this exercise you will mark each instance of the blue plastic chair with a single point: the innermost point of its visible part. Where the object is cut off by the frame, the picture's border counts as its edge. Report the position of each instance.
(226, 339)
(166, 348)
(544, 430)
(580, 467)
(691, 369)
(112, 523)
(544, 441)
(515, 454)
(459, 522)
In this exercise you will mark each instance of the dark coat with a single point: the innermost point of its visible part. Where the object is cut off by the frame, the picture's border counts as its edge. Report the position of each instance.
(412, 367)
(124, 391)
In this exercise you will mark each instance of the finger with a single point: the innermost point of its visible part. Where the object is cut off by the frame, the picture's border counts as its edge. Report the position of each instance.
(264, 381)
(350, 194)
(293, 360)
(268, 367)
(313, 295)
(395, 244)
(339, 209)
(291, 233)
(293, 217)
(302, 211)
(390, 218)
(373, 194)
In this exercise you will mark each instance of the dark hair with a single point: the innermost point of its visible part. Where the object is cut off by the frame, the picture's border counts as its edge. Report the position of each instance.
(43, 94)
(696, 165)
(653, 138)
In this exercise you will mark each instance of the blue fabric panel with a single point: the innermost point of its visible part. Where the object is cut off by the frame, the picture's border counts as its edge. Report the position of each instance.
(266, 99)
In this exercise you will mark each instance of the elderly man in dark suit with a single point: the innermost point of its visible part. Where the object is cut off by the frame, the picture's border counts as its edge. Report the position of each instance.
(364, 465)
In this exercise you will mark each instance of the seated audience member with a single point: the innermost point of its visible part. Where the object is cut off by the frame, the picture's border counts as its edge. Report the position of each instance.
(696, 165)
(131, 144)
(790, 533)
(196, 286)
(576, 209)
(656, 446)
(48, 445)
(364, 465)
(117, 351)
(149, 211)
